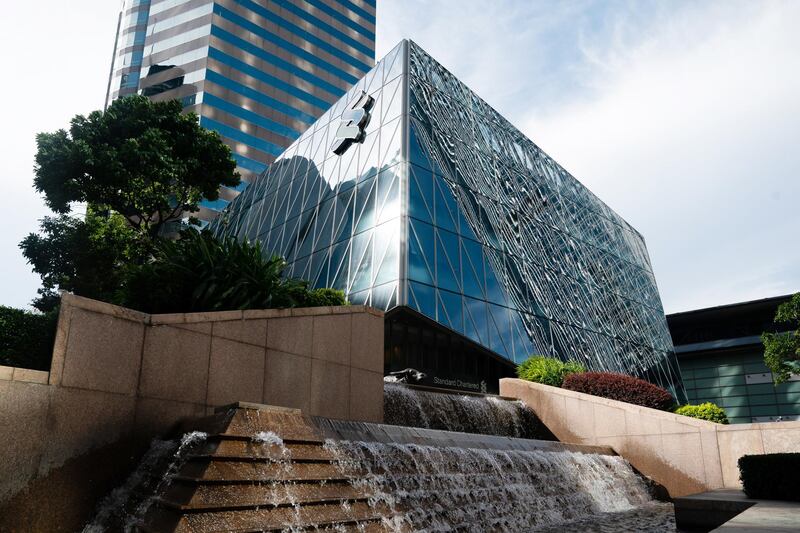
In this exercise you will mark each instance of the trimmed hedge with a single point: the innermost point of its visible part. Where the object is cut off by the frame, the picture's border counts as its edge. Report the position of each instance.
(705, 411)
(547, 370)
(772, 476)
(26, 338)
(620, 387)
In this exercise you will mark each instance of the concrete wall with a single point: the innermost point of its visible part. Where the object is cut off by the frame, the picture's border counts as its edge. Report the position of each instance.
(684, 454)
(119, 377)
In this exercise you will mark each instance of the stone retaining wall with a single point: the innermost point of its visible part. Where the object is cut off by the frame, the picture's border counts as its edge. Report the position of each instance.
(684, 454)
(119, 377)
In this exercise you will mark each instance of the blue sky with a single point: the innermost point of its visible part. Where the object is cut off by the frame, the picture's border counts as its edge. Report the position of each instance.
(684, 117)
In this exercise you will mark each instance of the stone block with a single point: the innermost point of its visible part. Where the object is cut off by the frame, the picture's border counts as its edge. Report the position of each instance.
(332, 338)
(175, 365)
(103, 353)
(609, 421)
(711, 464)
(733, 443)
(31, 376)
(252, 331)
(291, 335)
(780, 439)
(159, 417)
(579, 418)
(312, 311)
(330, 389)
(685, 451)
(366, 395)
(6, 372)
(23, 433)
(287, 381)
(236, 372)
(84, 420)
(367, 343)
(639, 423)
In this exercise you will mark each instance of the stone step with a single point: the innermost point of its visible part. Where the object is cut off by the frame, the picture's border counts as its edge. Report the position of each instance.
(274, 459)
(248, 448)
(248, 495)
(268, 518)
(259, 470)
(219, 506)
(295, 437)
(266, 481)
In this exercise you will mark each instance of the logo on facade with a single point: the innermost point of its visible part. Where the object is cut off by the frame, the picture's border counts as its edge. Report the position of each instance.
(352, 128)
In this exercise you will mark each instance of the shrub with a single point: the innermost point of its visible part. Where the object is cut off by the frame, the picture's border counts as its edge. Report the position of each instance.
(547, 370)
(705, 411)
(26, 338)
(773, 476)
(199, 272)
(620, 387)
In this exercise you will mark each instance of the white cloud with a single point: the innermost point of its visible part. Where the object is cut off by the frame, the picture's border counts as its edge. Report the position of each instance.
(683, 117)
(691, 135)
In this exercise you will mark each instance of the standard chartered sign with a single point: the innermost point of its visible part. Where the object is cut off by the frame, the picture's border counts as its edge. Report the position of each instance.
(352, 128)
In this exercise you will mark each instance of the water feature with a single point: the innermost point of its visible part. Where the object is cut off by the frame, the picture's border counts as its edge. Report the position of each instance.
(461, 489)
(487, 415)
(275, 470)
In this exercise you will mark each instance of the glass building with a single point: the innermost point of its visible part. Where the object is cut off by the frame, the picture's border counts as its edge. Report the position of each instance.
(258, 72)
(721, 356)
(415, 196)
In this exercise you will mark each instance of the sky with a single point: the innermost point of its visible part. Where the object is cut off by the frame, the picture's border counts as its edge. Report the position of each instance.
(684, 117)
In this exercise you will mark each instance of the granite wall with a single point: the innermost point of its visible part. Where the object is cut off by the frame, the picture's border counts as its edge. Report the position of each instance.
(119, 377)
(684, 454)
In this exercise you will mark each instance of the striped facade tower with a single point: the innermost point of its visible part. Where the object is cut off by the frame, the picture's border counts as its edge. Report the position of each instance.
(257, 71)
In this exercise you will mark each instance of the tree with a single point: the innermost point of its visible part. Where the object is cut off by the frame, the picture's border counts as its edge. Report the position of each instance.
(146, 160)
(782, 350)
(85, 256)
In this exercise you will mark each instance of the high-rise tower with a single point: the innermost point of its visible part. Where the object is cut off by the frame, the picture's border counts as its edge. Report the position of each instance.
(259, 72)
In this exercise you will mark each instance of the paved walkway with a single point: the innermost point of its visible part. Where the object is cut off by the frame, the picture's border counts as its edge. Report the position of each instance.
(751, 516)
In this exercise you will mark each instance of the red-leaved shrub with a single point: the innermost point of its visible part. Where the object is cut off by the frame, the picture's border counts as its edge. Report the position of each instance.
(620, 387)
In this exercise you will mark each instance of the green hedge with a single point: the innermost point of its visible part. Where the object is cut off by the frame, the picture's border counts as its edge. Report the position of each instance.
(547, 370)
(773, 476)
(26, 338)
(705, 411)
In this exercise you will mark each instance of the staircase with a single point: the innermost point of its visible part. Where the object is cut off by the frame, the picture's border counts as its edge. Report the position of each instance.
(260, 469)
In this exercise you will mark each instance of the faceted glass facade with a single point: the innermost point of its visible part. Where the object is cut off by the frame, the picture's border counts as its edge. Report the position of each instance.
(448, 209)
(259, 73)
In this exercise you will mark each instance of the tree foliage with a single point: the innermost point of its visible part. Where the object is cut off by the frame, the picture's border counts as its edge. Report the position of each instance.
(782, 350)
(146, 160)
(26, 338)
(199, 272)
(85, 256)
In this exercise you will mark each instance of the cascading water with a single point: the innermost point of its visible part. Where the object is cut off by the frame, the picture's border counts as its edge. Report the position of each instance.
(128, 503)
(460, 489)
(487, 415)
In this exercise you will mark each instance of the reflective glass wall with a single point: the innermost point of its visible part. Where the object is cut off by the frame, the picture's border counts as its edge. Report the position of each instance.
(336, 219)
(508, 248)
(448, 209)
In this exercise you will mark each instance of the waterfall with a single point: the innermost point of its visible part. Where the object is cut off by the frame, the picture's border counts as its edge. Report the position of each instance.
(462, 489)
(488, 415)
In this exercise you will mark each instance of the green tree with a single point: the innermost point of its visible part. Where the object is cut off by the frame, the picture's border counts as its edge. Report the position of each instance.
(782, 350)
(87, 256)
(146, 160)
(199, 272)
